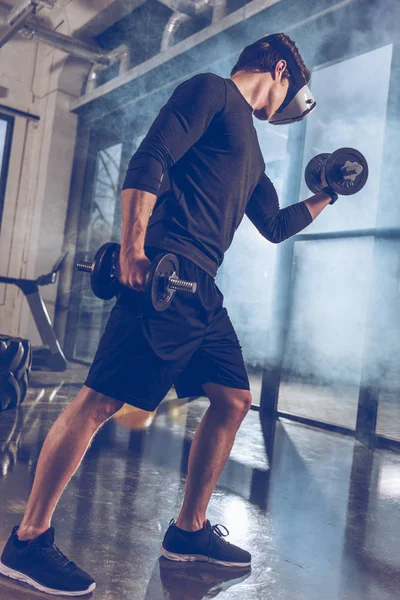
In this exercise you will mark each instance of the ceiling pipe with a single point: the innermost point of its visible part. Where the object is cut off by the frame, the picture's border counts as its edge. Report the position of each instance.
(219, 10)
(25, 8)
(18, 16)
(121, 55)
(193, 8)
(19, 19)
(65, 43)
(175, 21)
(185, 10)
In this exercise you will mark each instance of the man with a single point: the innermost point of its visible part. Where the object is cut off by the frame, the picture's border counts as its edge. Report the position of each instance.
(188, 186)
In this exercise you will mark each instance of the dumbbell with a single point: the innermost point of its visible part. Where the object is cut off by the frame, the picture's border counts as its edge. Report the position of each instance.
(345, 171)
(161, 283)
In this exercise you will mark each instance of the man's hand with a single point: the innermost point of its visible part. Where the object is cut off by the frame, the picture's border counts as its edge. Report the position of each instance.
(132, 268)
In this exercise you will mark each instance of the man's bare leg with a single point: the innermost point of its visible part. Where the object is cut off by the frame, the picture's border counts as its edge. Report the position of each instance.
(61, 454)
(210, 450)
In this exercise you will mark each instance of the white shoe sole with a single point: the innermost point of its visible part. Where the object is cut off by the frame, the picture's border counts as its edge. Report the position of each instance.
(26, 579)
(200, 558)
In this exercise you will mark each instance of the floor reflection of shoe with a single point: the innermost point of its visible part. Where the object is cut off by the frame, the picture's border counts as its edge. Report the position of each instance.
(195, 581)
(206, 545)
(42, 565)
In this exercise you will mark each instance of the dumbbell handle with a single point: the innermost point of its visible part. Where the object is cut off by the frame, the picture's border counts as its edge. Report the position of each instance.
(174, 283)
(85, 266)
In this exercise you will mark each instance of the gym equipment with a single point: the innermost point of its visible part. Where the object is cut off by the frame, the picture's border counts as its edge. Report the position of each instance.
(50, 356)
(162, 280)
(15, 368)
(345, 171)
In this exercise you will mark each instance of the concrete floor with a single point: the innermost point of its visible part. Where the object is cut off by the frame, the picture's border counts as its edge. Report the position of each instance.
(318, 511)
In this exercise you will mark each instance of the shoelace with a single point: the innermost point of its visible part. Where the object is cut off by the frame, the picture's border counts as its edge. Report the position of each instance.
(220, 535)
(55, 555)
(216, 529)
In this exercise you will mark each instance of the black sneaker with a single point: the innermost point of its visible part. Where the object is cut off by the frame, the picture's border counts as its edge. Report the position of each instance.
(206, 545)
(42, 565)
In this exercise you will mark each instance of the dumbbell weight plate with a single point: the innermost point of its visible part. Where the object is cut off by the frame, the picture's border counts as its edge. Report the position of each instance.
(334, 175)
(163, 266)
(313, 170)
(103, 280)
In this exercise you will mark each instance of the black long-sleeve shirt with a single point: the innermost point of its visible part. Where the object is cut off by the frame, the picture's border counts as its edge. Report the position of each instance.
(202, 159)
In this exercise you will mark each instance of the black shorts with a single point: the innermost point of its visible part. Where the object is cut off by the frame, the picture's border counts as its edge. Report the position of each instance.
(143, 352)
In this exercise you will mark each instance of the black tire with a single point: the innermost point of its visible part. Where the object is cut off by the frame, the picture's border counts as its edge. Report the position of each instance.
(15, 369)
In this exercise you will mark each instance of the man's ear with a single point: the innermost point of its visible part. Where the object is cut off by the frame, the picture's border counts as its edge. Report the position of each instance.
(279, 69)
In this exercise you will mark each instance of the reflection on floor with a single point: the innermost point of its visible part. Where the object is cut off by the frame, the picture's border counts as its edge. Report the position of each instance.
(318, 511)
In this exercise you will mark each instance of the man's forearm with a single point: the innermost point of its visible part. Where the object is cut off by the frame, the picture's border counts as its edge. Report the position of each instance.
(317, 203)
(136, 209)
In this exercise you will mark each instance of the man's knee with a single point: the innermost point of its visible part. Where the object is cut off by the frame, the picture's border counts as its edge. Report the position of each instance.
(228, 400)
(98, 407)
(241, 402)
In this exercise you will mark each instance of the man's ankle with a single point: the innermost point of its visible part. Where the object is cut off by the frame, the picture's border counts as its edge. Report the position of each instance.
(190, 525)
(29, 533)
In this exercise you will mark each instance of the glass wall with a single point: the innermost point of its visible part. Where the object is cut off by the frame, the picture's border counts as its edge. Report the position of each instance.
(101, 216)
(331, 278)
(323, 356)
(6, 127)
(104, 196)
(3, 132)
(386, 313)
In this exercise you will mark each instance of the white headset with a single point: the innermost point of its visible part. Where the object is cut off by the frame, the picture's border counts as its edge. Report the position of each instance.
(299, 101)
